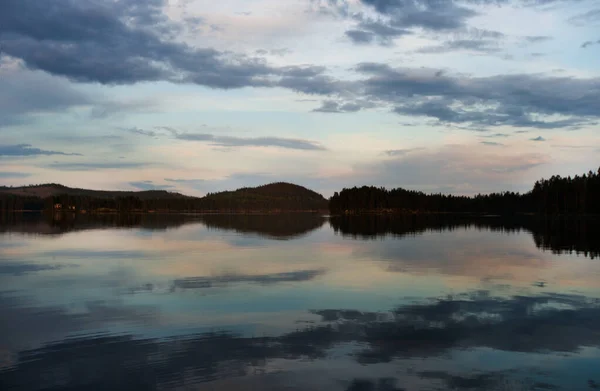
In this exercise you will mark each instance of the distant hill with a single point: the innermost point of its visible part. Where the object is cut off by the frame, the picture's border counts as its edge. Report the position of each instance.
(271, 197)
(53, 189)
(279, 196)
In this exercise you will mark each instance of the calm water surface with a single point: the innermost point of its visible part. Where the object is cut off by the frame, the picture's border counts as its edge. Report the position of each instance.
(300, 302)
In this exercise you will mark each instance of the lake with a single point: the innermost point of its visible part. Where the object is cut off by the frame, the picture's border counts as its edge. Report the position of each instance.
(299, 302)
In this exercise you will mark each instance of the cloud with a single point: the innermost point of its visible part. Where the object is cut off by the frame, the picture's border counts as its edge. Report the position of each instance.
(24, 94)
(231, 141)
(97, 254)
(401, 152)
(93, 166)
(590, 43)
(123, 42)
(360, 36)
(40, 324)
(142, 132)
(369, 31)
(107, 109)
(518, 100)
(20, 268)
(495, 135)
(470, 45)
(149, 185)
(432, 15)
(539, 138)
(11, 174)
(187, 182)
(473, 321)
(274, 52)
(273, 278)
(537, 38)
(492, 144)
(590, 16)
(330, 106)
(549, 323)
(459, 169)
(28, 150)
(128, 41)
(573, 146)
(404, 17)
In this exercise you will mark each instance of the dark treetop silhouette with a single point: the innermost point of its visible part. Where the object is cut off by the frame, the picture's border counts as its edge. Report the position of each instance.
(271, 197)
(556, 195)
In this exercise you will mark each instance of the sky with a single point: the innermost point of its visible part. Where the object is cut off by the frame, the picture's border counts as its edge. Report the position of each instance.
(193, 96)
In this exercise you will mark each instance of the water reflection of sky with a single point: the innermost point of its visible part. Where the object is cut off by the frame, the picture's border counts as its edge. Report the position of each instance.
(463, 309)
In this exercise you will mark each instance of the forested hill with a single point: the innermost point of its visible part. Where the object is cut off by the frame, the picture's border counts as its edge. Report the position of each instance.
(272, 197)
(557, 195)
(54, 189)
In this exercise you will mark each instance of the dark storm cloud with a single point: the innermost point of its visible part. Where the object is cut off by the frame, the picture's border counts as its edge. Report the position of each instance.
(368, 31)
(131, 41)
(427, 14)
(360, 36)
(313, 85)
(404, 17)
(122, 42)
(28, 150)
(514, 100)
(231, 141)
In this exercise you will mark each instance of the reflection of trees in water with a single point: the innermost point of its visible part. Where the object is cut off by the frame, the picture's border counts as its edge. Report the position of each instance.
(568, 236)
(544, 325)
(280, 226)
(48, 224)
(275, 226)
(560, 235)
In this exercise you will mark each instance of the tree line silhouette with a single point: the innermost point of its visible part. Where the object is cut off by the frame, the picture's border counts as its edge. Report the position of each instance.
(557, 195)
(271, 197)
(553, 233)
